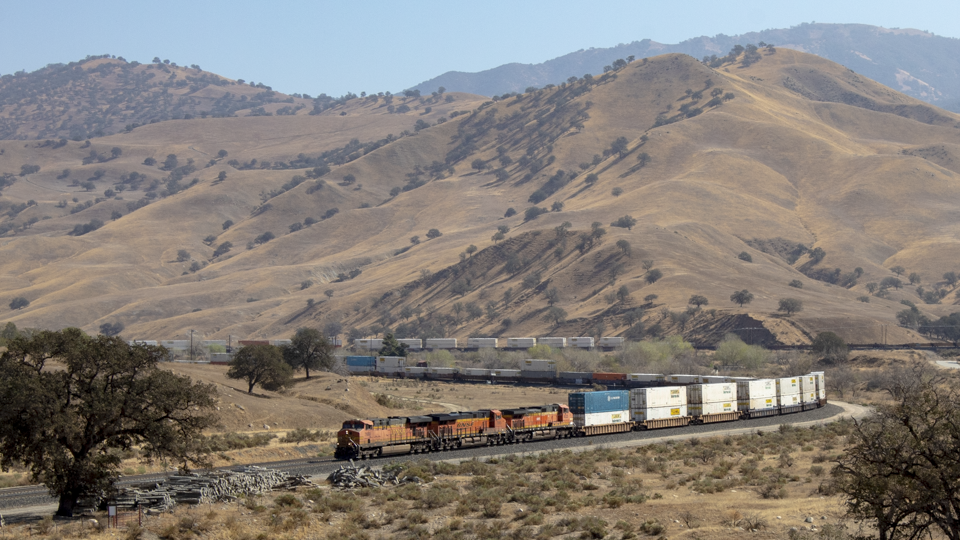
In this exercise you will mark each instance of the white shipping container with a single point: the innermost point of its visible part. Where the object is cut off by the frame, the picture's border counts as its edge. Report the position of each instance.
(788, 385)
(788, 400)
(368, 344)
(682, 379)
(482, 342)
(475, 372)
(556, 342)
(225, 358)
(820, 381)
(414, 370)
(757, 389)
(808, 383)
(808, 397)
(658, 413)
(209, 342)
(506, 372)
(148, 342)
(757, 404)
(538, 365)
(711, 393)
(177, 344)
(280, 342)
(700, 409)
(601, 419)
(391, 361)
(412, 344)
(442, 370)
(441, 343)
(645, 377)
(582, 342)
(521, 342)
(611, 342)
(714, 379)
(658, 396)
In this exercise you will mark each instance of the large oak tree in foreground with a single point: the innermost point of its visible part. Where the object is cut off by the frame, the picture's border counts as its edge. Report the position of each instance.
(69, 404)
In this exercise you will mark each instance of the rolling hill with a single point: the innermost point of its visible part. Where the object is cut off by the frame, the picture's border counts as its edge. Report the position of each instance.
(917, 63)
(784, 174)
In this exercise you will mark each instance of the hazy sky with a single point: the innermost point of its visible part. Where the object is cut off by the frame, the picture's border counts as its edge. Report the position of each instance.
(336, 47)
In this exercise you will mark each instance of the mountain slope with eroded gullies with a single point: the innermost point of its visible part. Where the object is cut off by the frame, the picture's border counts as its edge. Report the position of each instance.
(790, 177)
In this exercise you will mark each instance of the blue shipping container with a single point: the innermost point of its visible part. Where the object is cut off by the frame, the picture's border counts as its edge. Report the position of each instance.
(361, 360)
(597, 402)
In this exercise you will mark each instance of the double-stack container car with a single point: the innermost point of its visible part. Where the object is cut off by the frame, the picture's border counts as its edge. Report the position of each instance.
(658, 407)
(601, 412)
(757, 398)
(714, 402)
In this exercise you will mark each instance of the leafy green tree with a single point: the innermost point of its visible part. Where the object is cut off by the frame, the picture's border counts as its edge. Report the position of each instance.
(533, 213)
(796, 284)
(434, 233)
(222, 249)
(744, 256)
(222, 176)
(901, 473)
(478, 164)
(308, 349)
(556, 315)
(623, 294)
(616, 192)
(183, 255)
(556, 206)
(111, 329)
(349, 179)
(790, 306)
(889, 282)
(497, 237)
(510, 212)
(471, 249)
(591, 179)
(222, 154)
(830, 346)
(898, 270)
(392, 347)
(624, 247)
(653, 276)
(951, 278)
(227, 224)
(698, 300)
(260, 364)
(643, 158)
(552, 295)
(914, 278)
(70, 425)
(619, 146)
(19, 303)
(742, 297)
(627, 222)
(871, 287)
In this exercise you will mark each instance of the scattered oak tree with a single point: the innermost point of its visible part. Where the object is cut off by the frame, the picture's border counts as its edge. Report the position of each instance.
(308, 349)
(69, 425)
(741, 297)
(260, 364)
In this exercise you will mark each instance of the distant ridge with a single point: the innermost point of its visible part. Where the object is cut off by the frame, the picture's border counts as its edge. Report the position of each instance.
(917, 63)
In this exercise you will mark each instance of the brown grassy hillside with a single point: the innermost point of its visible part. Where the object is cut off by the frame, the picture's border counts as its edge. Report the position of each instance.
(790, 150)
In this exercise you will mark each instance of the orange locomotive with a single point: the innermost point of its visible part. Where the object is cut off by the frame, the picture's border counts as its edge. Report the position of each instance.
(444, 431)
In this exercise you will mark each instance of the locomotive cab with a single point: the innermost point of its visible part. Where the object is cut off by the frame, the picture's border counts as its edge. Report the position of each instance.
(351, 436)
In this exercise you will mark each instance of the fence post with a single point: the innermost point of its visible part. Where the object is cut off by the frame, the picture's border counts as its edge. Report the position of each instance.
(139, 515)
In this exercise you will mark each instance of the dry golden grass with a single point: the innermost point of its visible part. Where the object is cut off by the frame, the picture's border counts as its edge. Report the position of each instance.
(698, 488)
(873, 185)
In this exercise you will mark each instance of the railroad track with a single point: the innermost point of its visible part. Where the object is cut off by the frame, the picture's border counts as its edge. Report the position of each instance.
(28, 496)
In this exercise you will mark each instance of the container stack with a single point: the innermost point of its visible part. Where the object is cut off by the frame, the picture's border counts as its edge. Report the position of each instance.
(575, 377)
(441, 372)
(659, 403)
(808, 391)
(644, 379)
(390, 364)
(442, 343)
(599, 408)
(505, 374)
(556, 342)
(539, 369)
(757, 398)
(788, 394)
(476, 373)
(412, 372)
(682, 379)
(581, 342)
(611, 342)
(714, 402)
(412, 344)
(521, 342)
(361, 364)
(821, 388)
(482, 343)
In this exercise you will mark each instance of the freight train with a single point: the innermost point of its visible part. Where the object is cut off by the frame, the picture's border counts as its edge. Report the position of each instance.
(657, 404)
(475, 343)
